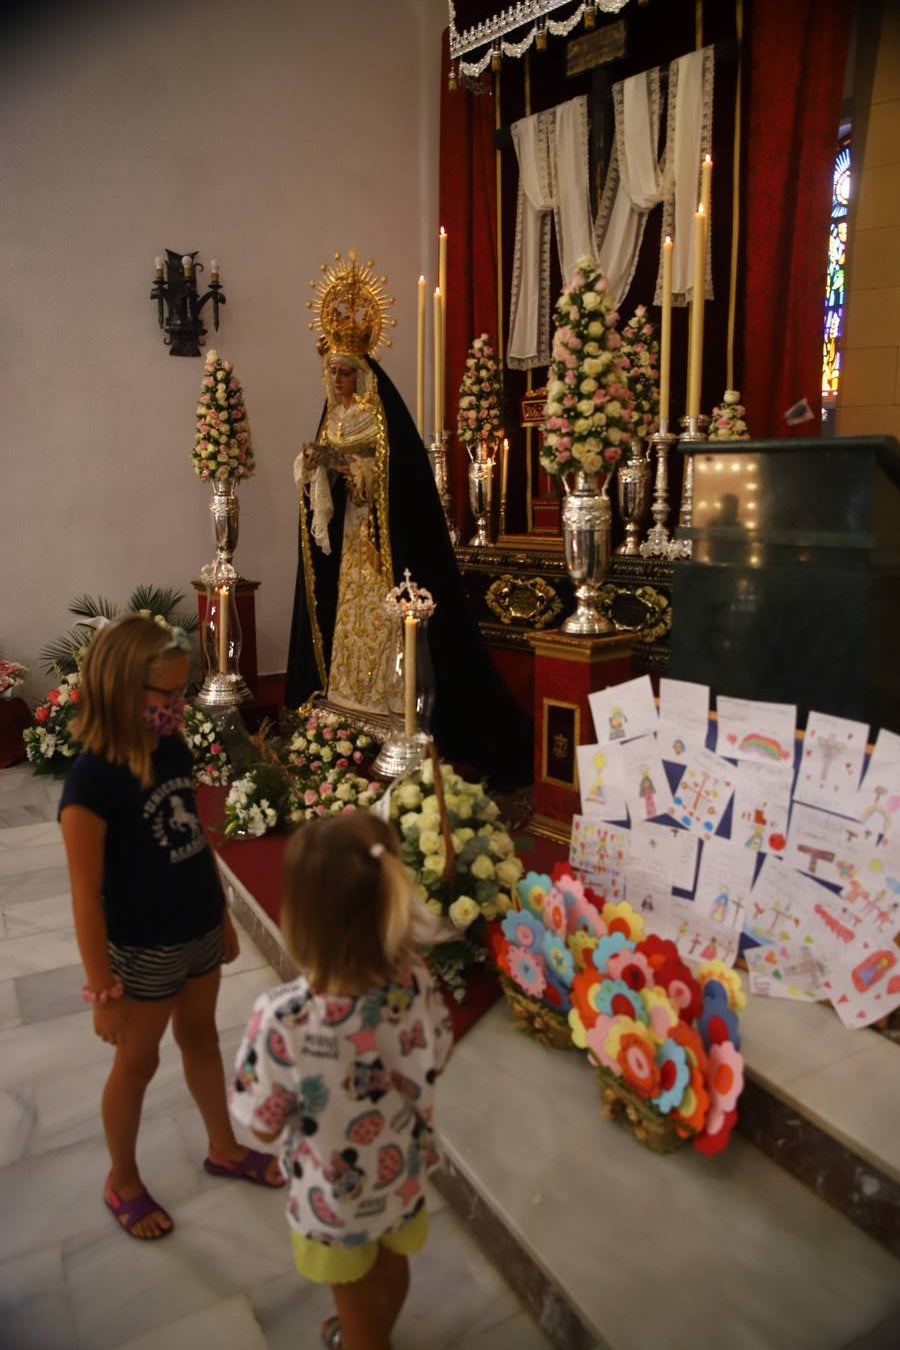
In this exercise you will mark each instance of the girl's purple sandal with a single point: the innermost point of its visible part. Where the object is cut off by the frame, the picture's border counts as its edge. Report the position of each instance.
(253, 1168)
(128, 1213)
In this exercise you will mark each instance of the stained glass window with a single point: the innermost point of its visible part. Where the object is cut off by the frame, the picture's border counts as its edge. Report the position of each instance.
(834, 280)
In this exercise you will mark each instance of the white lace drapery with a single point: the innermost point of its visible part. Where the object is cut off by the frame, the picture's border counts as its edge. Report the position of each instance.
(634, 182)
(688, 138)
(552, 151)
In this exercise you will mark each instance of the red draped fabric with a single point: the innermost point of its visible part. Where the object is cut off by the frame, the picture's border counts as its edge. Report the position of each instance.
(794, 61)
(468, 211)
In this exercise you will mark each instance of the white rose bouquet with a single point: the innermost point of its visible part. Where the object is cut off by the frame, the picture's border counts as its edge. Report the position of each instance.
(11, 676)
(212, 765)
(727, 422)
(640, 362)
(323, 741)
(329, 792)
(222, 445)
(480, 880)
(257, 802)
(480, 395)
(587, 420)
(49, 744)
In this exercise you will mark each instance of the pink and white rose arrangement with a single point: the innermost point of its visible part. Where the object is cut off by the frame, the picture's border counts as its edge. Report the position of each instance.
(11, 676)
(480, 397)
(640, 360)
(222, 444)
(587, 420)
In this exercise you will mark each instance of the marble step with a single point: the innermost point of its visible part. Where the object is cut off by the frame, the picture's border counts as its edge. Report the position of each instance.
(821, 1101)
(611, 1245)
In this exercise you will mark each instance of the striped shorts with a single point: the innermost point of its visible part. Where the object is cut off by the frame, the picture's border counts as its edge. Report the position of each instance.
(160, 972)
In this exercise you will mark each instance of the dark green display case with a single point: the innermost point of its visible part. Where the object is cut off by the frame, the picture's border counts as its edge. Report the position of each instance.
(792, 593)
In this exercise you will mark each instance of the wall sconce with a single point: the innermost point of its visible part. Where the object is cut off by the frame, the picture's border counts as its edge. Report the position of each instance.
(178, 304)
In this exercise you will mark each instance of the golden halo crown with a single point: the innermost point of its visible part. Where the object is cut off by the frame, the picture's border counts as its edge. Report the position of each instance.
(350, 308)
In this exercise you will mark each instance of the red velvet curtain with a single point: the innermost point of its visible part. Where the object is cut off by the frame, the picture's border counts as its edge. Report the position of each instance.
(468, 211)
(794, 62)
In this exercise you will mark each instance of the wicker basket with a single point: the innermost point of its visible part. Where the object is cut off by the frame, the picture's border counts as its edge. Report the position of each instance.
(545, 1024)
(639, 1117)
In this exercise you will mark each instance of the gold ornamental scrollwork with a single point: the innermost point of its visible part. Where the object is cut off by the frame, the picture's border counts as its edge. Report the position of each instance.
(653, 619)
(528, 601)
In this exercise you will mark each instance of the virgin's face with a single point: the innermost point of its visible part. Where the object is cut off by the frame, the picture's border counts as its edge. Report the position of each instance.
(343, 381)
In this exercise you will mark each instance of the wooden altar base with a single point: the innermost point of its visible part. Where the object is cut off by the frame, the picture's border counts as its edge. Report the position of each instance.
(584, 1222)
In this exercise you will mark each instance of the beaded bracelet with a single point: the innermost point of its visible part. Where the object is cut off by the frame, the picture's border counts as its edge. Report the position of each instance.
(115, 990)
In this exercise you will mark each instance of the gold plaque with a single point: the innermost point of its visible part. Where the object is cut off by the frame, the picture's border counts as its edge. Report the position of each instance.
(596, 49)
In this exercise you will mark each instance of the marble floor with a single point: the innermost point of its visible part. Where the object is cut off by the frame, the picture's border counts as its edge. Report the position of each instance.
(69, 1280)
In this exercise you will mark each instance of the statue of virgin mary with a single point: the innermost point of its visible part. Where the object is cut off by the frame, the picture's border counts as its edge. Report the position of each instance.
(369, 510)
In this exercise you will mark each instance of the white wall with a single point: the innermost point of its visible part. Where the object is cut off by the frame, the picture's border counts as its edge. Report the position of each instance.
(267, 135)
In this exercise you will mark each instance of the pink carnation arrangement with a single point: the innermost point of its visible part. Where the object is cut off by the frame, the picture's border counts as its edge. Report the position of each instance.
(222, 445)
(480, 396)
(587, 419)
(640, 360)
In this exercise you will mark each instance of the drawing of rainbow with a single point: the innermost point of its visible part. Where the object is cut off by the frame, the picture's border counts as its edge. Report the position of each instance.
(766, 746)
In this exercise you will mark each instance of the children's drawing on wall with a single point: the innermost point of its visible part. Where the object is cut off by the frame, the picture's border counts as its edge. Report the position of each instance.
(788, 907)
(864, 985)
(878, 800)
(785, 971)
(831, 763)
(870, 879)
(599, 776)
(601, 851)
(665, 851)
(703, 792)
(624, 710)
(817, 841)
(696, 937)
(643, 779)
(750, 729)
(724, 882)
(683, 717)
(762, 803)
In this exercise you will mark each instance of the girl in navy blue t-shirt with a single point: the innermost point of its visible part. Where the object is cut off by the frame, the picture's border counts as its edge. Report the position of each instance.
(150, 916)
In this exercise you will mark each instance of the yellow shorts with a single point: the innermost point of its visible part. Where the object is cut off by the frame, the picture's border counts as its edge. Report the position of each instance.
(323, 1264)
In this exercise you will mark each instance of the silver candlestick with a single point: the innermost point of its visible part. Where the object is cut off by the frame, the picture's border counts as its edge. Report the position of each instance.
(656, 544)
(481, 493)
(693, 432)
(437, 458)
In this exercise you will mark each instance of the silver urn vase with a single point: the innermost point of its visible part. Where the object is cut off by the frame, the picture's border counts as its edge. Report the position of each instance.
(634, 503)
(587, 522)
(225, 512)
(481, 495)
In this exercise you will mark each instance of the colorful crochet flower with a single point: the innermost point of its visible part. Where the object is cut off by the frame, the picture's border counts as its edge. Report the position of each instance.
(711, 1144)
(581, 945)
(728, 978)
(596, 1037)
(559, 958)
(689, 1115)
(523, 929)
(607, 947)
(660, 1011)
(675, 977)
(638, 1065)
(582, 905)
(586, 988)
(616, 999)
(626, 1026)
(631, 967)
(577, 1028)
(555, 911)
(532, 891)
(717, 1023)
(621, 918)
(725, 1079)
(658, 950)
(691, 1042)
(556, 992)
(526, 969)
(674, 1076)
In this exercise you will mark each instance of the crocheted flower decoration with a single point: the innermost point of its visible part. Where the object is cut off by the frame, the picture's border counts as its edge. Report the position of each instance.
(523, 929)
(559, 958)
(527, 970)
(674, 1076)
(621, 918)
(632, 967)
(717, 1022)
(532, 891)
(728, 978)
(607, 947)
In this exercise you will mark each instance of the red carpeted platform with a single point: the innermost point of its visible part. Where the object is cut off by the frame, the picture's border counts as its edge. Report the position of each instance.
(258, 863)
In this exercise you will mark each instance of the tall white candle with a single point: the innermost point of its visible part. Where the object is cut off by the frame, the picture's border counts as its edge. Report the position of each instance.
(665, 336)
(706, 187)
(420, 357)
(442, 284)
(410, 626)
(697, 305)
(222, 630)
(438, 363)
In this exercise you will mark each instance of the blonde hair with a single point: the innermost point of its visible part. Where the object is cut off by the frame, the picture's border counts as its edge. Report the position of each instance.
(347, 894)
(120, 661)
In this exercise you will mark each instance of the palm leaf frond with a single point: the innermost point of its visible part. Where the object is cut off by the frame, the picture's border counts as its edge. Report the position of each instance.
(158, 599)
(93, 607)
(60, 657)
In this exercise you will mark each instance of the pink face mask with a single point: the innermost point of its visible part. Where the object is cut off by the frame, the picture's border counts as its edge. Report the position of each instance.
(164, 719)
